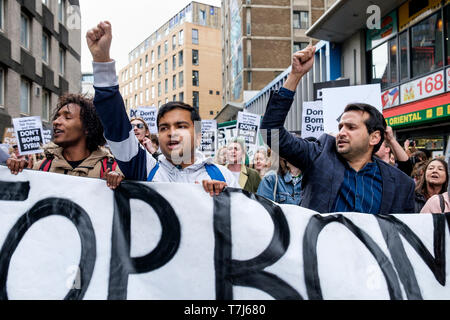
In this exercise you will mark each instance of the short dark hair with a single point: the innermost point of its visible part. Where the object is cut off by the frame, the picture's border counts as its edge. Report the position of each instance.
(195, 116)
(88, 116)
(376, 121)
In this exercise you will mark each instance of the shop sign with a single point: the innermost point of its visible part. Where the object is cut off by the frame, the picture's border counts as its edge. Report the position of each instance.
(412, 11)
(422, 88)
(388, 28)
(419, 116)
(448, 78)
(390, 98)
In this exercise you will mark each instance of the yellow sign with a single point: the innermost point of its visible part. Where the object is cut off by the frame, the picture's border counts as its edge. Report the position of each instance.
(409, 12)
(406, 118)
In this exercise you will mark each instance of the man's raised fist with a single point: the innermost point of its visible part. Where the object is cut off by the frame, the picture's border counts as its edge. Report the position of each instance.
(99, 41)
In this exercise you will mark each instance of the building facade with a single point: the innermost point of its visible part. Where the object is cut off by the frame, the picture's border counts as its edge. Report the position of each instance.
(408, 54)
(181, 61)
(40, 48)
(258, 39)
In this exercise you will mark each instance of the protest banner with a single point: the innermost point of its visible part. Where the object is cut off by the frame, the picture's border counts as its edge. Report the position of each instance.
(208, 144)
(248, 125)
(29, 135)
(150, 115)
(65, 237)
(312, 119)
(225, 132)
(336, 99)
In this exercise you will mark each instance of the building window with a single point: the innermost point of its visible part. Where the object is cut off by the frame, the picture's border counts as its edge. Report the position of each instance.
(159, 52)
(404, 64)
(159, 70)
(147, 95)
(195, 78)
(146, 60)
(2, 14)
(45, 105)
(180, 58)
(195, 99)
(153, 74)
(153, 92)
(141, 98)
(211, 92)
(140, 82)
(62, 61)
(25, 96)
(159, 89)
(140, 65)
(167, 100)
(181, 37)
(166, 86)
(2, 88)
(393, 48)
(300, 46)
(25, 31)
(181, 95)
(217, 93)
(61, 11)
(174, 62)
(194, 36)
(301, 20)
(147, 78)
(166, 47)
(195, 58)
(174, 82)
(136, 103)
(447, 34)
(45, 48)
(174, 98)
(153, 57)
(426, 45)
(202, 17)
(380, 62)
(180, 79)
(174, 42)
(166, 66)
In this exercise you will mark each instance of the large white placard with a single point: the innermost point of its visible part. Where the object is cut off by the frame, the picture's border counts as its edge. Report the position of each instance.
(150, 115)
(29, 135)
(208, 144)
(312, 119)
(336, 99)
(248, 125)
(70, 237)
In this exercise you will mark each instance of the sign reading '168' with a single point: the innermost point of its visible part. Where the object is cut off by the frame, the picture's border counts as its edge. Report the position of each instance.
(423, 88)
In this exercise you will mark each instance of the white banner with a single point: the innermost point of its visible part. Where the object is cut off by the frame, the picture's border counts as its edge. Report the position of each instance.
(208, 144)
(29, 135)
(70, 237)
(312, 119)
(248, 129)
(336, 99)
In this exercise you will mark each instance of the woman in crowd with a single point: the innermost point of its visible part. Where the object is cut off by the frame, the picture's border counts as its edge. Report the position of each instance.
(261, 162)
(221, 156)
(142, 133)
(247, 178)
(434, 181)
(284, 186)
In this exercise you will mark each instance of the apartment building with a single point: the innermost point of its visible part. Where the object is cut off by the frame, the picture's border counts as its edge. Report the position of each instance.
(258, 39)
(40, 48)
(181, 61)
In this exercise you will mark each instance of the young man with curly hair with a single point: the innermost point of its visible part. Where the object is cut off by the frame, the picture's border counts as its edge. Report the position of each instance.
(77, 148)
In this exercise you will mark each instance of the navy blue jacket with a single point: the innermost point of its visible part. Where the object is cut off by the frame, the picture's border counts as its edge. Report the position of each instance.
(323, 168)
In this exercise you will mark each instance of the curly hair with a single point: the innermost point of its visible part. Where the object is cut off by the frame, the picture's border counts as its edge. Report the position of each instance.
(88, 116)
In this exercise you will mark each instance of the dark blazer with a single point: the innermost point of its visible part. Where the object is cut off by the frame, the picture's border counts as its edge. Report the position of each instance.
(323, 168)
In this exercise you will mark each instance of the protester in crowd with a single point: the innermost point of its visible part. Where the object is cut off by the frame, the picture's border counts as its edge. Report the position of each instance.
(77, 147)
(221, 156)
(261, 162)
(284, 186)
(340, 174)
(248, 178)
(390, 147)
(434, 181)
(418, 171)
(176, 127)
(143, 135)
(438, 203)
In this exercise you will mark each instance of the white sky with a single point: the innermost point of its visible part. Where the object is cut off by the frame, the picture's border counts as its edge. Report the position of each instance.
(132, 22)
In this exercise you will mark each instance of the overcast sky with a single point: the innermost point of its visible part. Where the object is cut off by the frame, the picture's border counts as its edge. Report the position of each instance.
(132, 22)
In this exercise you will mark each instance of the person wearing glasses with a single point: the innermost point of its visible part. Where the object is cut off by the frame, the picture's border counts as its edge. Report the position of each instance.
(142, 133)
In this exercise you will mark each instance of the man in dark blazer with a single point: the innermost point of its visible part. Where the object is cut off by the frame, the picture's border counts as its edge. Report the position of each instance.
(341, 173)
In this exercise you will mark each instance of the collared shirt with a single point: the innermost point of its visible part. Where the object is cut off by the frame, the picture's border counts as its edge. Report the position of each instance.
(360, 191)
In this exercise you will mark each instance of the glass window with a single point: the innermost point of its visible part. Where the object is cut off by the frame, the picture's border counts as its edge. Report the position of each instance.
(180, 80)
(393, 61)
(153, 92)
(426, 45)
(166, 66)
(159, 70)
(447, 34)
(153, 56)
(195, 57)
(146, 60)
(153, 74)
(25, 90)
(301, 20)
(166, 85)
(174, 98)
(195, 80)
(24, 31)
(45, 105)
(147, 95)
(2, 17)
(174, 82)
(45, 48)
(195, 99)
(174, 62)
(194, 36)
(174, 42)
(159, 52)
(166, 47)
(181, 95)
(2, 87)
(380, 65)
(404, 65)
(147, 78)
(159, 89)
(180, 58)
(62, 61)
(300, 46)
(61, 11)
(181, 37)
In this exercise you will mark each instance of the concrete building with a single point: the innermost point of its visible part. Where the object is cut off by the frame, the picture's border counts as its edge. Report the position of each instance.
(408, 54)
(181, 61)
(40, 47)
(259, 37)
(87, 84)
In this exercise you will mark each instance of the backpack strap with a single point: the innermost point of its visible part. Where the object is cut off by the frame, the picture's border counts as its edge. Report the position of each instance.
(45, 166)
(214, 172)
(107, 163)
(441, 200)
(153, 172)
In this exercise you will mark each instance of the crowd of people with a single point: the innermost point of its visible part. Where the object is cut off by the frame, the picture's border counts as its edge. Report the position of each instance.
(362, 168)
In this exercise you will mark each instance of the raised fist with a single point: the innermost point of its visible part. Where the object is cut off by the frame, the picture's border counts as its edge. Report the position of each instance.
(99, 41)
(303, 60)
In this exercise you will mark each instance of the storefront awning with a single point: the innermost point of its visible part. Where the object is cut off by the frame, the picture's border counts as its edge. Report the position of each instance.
(345, 17)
